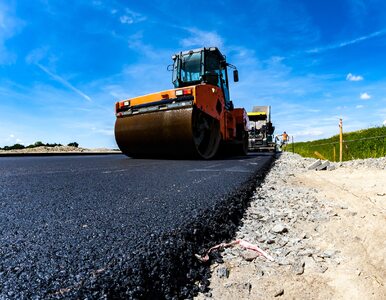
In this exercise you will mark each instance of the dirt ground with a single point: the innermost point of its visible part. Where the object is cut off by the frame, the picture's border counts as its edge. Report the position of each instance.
(353, 238)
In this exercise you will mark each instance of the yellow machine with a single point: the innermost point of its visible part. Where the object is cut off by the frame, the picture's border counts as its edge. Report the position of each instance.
(196, 118)
(261, 130)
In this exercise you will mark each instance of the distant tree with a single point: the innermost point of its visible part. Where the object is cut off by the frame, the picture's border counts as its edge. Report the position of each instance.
(14, 147)
(38, 144)
(74, 144)
(53, 145)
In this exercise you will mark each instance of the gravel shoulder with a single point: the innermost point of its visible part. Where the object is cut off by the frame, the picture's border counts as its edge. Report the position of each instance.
(325, 229)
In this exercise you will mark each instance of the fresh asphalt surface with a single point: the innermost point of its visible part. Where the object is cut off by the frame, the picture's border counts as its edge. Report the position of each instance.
(64, 219)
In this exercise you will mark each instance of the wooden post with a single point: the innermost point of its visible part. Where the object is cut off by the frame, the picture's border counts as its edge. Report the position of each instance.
(293, 146)
(340, 140)
(334, 153)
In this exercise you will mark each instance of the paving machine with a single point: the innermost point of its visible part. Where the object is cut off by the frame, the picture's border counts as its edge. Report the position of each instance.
(261, 130)
(196, 118)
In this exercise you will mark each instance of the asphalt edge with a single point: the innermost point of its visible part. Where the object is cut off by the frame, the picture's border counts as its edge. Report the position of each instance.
(167, 268)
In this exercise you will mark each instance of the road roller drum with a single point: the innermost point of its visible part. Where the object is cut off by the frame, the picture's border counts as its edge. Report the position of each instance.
(179, 132)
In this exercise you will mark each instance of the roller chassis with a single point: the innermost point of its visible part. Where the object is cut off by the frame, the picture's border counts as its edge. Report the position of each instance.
(193, 120)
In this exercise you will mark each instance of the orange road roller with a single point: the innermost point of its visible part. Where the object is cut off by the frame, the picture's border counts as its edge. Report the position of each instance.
(195, 119)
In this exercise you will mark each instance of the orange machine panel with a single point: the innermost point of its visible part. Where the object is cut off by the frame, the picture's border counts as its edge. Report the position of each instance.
(168, 94)
(241, 117)
(209, 99)
(229, 126)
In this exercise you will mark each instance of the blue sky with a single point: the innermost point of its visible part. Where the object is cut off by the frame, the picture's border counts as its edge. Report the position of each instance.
(63, 64)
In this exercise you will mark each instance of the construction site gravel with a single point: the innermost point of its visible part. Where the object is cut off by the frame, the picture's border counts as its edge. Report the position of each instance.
(325, 230)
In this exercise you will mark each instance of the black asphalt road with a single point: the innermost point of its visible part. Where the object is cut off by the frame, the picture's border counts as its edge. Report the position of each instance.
(89, 226)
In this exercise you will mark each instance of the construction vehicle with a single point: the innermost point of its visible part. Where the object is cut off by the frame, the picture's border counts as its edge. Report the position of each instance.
(194, 119)
(261, 130)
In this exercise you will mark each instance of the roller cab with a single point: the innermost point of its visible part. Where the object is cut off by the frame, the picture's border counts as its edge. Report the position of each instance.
(194, 119)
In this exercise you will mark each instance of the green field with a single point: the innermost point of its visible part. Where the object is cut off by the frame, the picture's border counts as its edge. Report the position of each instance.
(364, 143)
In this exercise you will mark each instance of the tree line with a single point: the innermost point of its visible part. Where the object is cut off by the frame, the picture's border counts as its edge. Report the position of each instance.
(37, 144)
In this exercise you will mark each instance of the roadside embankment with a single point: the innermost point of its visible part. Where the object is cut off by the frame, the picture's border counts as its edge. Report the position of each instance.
(360, 144)
(57, 150)
(325, 229)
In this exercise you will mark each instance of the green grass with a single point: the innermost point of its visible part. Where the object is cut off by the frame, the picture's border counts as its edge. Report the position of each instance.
(363, 143)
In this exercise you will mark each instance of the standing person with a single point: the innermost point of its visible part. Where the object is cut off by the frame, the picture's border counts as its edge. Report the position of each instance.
(284, 138)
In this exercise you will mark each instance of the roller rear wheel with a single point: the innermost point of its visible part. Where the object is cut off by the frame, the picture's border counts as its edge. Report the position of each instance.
(243, 147)
(206, 134)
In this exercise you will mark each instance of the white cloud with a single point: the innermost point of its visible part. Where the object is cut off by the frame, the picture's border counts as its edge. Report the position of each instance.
(55, 126)
(365, 96)
(131, 17)
(9, 26)
(126, 20)
(358, 10)
(199, 38)
(347, 43)
(108, 132)
(97, 3)
(384, 123)
(36, 55)
(351, 77)
(64, 82)
(136, 43)
(359, 106)
(309, 133)
(11, 139)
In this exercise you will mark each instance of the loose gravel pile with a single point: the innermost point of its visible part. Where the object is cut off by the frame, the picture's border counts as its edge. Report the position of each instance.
(283, 220)
(275, 212)
(369, 163)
